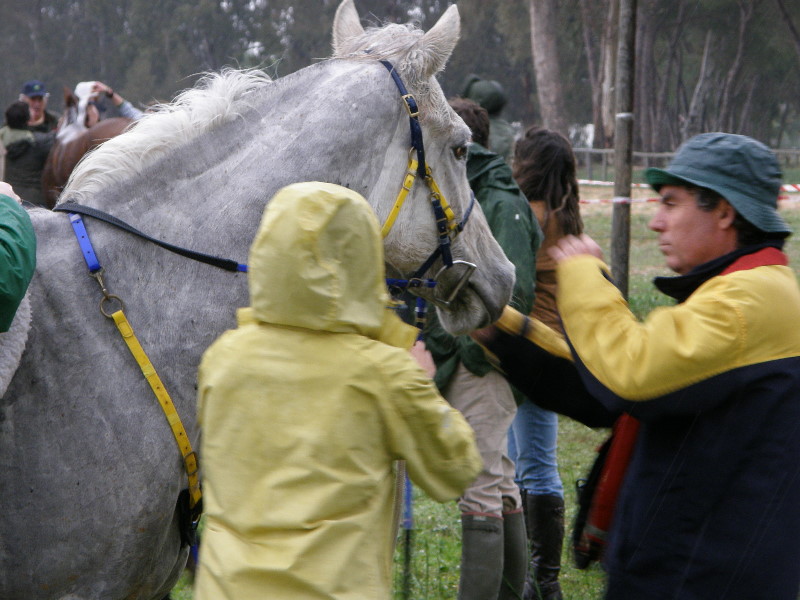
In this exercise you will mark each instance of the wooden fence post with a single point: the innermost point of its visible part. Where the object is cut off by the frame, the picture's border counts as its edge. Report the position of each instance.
(623, 146)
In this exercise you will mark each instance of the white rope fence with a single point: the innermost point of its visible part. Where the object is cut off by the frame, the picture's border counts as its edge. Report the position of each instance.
(791, 188)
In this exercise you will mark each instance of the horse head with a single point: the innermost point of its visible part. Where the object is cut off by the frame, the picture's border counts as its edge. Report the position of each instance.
(418, 57)
(73, 121)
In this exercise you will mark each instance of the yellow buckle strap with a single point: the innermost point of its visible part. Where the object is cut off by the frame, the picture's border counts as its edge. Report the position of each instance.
(408, 183)
(435, 191)
(190, 461)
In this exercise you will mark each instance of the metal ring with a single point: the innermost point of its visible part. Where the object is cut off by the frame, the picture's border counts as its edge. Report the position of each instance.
(113, 298)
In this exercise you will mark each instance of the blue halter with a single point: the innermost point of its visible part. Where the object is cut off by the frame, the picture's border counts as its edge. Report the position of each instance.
(447, 227)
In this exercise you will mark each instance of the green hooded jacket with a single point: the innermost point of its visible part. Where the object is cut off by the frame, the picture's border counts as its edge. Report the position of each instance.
(17, 257)
(519, 235)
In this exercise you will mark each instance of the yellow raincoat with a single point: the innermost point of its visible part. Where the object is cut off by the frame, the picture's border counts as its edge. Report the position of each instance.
(305, 406)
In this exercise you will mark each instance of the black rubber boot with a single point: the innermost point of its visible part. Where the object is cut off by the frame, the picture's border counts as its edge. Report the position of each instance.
(544, 516)
(515, 556)
(481, 557)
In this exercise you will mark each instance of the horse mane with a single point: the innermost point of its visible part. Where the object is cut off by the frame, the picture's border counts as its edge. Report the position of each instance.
(218, 98)
(221, 97)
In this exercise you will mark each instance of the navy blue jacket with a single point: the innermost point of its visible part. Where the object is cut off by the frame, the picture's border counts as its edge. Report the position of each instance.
(710, 505)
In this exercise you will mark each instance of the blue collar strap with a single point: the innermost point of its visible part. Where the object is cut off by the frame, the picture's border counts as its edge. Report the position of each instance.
(78, 209)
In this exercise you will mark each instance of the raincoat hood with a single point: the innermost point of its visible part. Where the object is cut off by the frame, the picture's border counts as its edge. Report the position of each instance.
(317, 262)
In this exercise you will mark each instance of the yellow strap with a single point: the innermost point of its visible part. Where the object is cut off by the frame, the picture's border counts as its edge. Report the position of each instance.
(174, 420)
(408, 182)
(448, 212)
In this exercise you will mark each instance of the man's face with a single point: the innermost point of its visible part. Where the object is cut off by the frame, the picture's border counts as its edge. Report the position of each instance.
(689, 236)
(37, 105)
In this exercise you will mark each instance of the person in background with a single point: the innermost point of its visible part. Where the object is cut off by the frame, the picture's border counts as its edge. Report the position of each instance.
(708, 504)
(491, 96)
(494, 552)
(125, 108)
(17, 254)
(545, 170)
(25, 153)
(35, 95)
(306, 405)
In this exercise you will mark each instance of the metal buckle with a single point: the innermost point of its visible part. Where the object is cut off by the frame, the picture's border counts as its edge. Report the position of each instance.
(407, 104)
(109, 312)
(468, 269)
(435, 298)
(186, 458)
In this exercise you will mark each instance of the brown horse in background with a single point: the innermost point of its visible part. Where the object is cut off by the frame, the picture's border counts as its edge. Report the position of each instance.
(72, 142)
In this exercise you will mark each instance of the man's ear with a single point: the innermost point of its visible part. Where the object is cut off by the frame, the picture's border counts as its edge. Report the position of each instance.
(726, 214)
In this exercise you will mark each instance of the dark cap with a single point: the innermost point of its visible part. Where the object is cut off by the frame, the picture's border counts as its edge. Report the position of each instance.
(740, 169)
(34, 88)
(488, 93)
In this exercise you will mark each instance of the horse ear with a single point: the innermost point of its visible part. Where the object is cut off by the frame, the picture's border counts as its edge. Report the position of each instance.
(439, 42)
(69, 97)
(346, 26)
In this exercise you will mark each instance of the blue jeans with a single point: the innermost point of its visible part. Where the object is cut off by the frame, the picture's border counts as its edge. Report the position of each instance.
(532, 445)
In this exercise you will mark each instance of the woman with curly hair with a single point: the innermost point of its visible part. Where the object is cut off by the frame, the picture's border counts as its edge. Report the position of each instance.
(544, 169)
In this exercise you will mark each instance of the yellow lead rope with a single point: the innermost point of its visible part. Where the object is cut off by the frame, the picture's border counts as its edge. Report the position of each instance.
(174, 420)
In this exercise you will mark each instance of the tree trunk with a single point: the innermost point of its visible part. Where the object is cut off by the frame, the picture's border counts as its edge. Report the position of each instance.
(594, 78)
(609, 70)
(725, 117)
(692, 124)
(790, 24)
(544, 28)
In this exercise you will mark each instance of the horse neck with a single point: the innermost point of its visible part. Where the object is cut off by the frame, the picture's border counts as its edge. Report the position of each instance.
(69, 132)
(305, 127)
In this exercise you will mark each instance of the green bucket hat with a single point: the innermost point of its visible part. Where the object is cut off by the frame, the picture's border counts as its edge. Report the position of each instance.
(740, 169)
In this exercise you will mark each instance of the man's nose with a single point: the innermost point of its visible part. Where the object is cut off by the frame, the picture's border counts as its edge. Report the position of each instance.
(657, 222)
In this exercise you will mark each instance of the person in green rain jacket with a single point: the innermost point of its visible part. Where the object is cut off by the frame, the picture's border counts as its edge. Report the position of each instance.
(494, 551)
(305, 406)
(17, 254)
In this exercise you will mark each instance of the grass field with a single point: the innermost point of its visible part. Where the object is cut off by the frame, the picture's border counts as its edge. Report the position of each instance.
(436, 534)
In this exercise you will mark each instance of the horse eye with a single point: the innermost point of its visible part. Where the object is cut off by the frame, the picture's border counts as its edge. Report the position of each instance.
(460, 152)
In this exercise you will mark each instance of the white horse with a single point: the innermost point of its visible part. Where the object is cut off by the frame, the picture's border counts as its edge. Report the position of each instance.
(89, 470)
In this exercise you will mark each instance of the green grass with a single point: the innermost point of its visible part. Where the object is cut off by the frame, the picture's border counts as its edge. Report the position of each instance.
(436, 536)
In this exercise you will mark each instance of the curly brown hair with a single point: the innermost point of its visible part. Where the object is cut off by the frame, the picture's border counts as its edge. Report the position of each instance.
(545, 170)
(475, 116)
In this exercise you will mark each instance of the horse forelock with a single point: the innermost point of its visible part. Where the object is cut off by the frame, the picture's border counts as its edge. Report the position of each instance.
(401, 46)
(218, 98)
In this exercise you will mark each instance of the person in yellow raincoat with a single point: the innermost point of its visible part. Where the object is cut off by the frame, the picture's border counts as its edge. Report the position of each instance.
(305, 406)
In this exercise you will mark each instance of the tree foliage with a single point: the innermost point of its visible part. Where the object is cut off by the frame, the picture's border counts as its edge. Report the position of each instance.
(732, 65)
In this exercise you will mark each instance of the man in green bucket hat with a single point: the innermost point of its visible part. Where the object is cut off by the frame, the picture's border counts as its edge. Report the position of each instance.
(708, 507)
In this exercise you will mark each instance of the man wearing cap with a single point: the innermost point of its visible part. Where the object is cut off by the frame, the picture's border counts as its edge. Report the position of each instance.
(491, 96)
(709, 504)
(34, 94)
